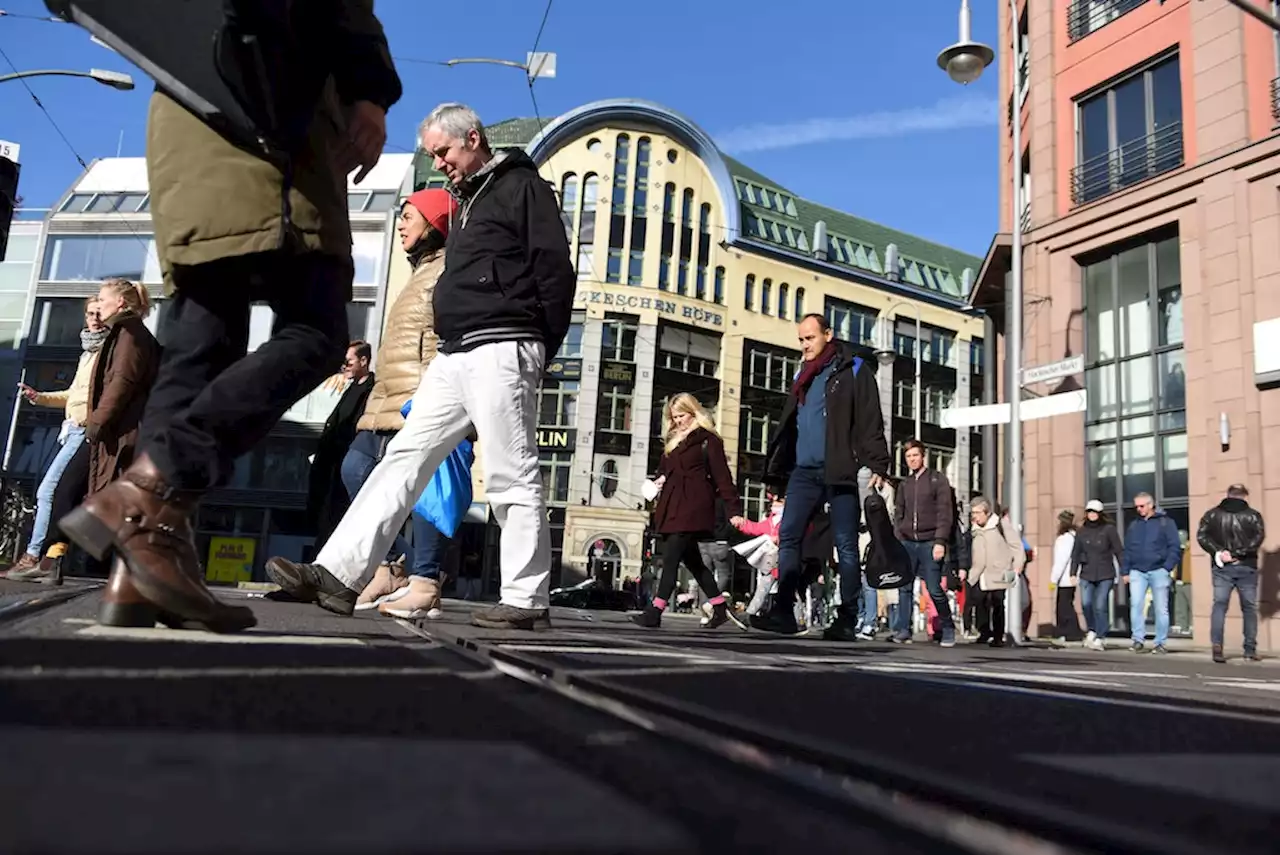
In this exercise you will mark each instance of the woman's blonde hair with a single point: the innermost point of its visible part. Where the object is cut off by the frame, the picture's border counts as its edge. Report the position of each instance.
(683, 403)
(135, 296)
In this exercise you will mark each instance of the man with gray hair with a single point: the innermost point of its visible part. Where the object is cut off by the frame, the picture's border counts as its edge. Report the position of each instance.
(1152, 552)
(1232, 533)
(502, 307)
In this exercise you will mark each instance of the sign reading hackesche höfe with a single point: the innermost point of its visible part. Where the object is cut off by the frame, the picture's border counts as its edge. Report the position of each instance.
(656, 304)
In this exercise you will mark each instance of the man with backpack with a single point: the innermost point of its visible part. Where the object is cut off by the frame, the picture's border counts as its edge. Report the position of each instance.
(831, 427)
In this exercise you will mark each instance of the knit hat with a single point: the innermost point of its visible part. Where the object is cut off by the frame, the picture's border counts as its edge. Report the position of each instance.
(1066, 516)
(436, 206)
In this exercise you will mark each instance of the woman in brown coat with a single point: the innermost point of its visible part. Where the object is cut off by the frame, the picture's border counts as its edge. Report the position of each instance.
(692, 473)
(122, 379)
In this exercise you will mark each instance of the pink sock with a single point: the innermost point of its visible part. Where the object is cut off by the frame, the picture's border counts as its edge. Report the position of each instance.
(716, 601)
(659, 603)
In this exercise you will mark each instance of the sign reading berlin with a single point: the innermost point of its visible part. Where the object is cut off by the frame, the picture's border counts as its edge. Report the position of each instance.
(669, 308)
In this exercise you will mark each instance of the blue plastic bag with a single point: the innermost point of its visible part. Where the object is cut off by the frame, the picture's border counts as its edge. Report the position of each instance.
(448, 496)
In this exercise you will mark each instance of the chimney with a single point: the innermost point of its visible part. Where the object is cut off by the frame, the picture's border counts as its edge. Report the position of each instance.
(821, 246)
(892, 267)
(966, 282)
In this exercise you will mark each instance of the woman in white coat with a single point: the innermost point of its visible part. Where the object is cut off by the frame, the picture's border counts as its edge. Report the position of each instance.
(1063, 576)
(997, 558)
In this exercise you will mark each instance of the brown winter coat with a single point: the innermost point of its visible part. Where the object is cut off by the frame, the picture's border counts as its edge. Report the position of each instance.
(211, 200)
(408, 346)
(694, 477)
(118, 390)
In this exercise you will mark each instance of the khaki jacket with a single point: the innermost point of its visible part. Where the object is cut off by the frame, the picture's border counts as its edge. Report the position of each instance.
(76, 398)
(997, 557)
(408, 346)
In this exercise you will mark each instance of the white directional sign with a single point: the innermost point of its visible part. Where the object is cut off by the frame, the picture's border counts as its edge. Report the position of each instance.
(1028, 410)
(9, 150)
(1052, 371)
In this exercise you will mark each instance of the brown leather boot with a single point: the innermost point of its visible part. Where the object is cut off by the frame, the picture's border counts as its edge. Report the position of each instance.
(123, 606)
(149, 524)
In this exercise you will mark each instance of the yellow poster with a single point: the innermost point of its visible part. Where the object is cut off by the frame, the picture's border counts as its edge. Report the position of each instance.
(230, 559)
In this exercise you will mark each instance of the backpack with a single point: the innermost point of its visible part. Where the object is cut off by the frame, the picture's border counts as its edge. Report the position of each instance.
(887, 564)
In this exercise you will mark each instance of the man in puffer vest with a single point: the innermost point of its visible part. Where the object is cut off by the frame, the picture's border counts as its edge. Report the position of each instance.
(408, 346)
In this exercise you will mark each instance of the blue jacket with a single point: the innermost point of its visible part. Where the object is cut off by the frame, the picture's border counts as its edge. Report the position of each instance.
(1152, 544)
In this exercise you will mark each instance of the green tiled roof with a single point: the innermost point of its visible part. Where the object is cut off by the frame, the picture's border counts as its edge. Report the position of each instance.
(519, 132)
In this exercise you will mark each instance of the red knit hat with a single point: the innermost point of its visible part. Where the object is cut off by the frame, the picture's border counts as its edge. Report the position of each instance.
(437, 206)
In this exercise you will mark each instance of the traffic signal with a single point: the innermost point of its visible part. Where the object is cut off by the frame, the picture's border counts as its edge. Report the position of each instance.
(8, 199)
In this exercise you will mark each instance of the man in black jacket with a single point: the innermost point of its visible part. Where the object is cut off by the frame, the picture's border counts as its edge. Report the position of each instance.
(831, 427)
(502, 307)
(1232, 533)
(924, 514)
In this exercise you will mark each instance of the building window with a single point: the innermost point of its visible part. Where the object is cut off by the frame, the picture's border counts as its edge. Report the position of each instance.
(92, 258)
(704, 250)
(587, 227)
(1086, 16)
(569, 204)
(771, 370)
(571, 347)
(639, 216)
(1129, 132)
(682, 278)
(613, 267)
(799, 309)
(56, 321)
(936, 400)
(749, 294)
(368, 254)
(766, 296)
(755, 499)
(904, 400)
(784, 300)
(558, 403)
(556, 466)
(615, 408)
(668, 235)
(1135, 425)
(977, 355)
(847, 251)
(686, 242)
(621, 158)
(766, 197)
(757, 430)
(851, 322)
(618, 340)
(940, 347)
(681, 349)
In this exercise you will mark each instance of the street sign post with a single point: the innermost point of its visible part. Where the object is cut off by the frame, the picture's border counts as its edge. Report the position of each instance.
(1053, 371)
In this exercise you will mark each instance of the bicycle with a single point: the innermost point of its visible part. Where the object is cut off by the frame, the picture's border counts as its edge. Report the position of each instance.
(14, 514)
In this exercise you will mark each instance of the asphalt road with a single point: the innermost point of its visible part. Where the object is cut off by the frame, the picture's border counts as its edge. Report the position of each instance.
(318, 733)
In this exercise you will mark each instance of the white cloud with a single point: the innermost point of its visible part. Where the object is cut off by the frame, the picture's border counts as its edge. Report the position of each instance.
(966, 111)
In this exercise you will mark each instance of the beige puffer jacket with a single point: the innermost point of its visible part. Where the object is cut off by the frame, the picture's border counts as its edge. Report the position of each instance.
(408, 345)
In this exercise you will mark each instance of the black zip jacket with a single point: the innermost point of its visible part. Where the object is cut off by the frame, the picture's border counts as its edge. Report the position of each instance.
(507, 274)
(1234, 526)
(1097, 543)
(855, 428)
(924, 508)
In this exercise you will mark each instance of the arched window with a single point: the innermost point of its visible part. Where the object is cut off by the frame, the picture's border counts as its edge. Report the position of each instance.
(704, 250)
(784, 300)
(766, 296)
(667, 248)
(569, 203)
(718, 293)
(587, 226)
(749, 294)
(799, 312)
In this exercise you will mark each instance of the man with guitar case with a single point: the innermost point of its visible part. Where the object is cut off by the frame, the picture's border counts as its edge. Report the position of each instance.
(261, 109)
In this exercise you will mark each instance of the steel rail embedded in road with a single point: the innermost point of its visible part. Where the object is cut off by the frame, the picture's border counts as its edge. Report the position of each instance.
(919, 801)
(42, 600)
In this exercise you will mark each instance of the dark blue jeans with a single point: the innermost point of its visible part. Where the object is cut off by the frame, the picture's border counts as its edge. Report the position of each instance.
(1095, 602)
(928, 569)
(807, 490)
(1244, 580)
(429, 543)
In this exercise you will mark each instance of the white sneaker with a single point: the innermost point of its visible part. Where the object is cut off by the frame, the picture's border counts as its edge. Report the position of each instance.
(1089, 638)
(1097, 644)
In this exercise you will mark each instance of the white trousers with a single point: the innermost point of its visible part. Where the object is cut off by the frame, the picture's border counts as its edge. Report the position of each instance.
(493, 388)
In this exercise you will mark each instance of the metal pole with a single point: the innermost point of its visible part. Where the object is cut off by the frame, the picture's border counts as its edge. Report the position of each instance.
(13, 423)
(990, 440)
(919, 345)
(1014, 438)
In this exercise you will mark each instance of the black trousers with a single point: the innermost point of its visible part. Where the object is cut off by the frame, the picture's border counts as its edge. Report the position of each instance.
(991, 617)
(972, 607)
(683, 546)
(70, 492)
(1065, 614)
(211, 402)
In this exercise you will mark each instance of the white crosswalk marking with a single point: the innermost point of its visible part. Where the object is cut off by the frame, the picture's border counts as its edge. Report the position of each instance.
(196, 636)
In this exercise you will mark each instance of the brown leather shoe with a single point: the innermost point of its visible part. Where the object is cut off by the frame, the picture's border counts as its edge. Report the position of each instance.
(23, 565)
(149, 525)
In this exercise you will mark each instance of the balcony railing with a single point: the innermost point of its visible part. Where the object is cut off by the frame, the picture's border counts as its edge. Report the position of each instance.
(1087, 16)
(1024, 221)
(1131, 163)
(1275, 100)
(1024, 71)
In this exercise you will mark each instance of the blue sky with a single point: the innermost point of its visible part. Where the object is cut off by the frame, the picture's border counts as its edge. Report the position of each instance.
(839, 101)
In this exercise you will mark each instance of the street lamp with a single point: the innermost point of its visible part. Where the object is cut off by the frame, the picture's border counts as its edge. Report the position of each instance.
(536, 65)
(965, 60)
(114, 79)
(886, 343)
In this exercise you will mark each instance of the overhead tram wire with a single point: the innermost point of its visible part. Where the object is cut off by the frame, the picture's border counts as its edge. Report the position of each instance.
(80, 160)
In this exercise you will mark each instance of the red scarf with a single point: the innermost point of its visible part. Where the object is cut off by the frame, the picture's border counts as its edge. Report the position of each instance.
(813, 369)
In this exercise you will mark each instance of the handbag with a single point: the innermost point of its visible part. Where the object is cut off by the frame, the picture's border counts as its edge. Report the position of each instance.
(448, 496)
